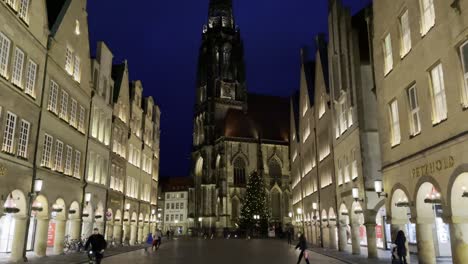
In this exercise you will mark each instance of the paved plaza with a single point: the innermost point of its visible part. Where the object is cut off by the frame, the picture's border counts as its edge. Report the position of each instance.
(233, 251)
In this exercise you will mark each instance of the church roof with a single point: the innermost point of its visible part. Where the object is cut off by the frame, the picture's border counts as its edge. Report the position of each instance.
(174, 184)
(267, 118)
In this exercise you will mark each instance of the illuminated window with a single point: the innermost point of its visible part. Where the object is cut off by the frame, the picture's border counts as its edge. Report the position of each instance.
(4, 54)
(405, 34)
(427, 16)
(388, 59)
(52, 105)
(30, 84)
(46, 151)
(23, 10)
(17, 71)
(464, 58)
(439, 101)
(23, 139)
(9, 133)
(68, 161)
(77, 27)
(58, 155)
(394, 123)
(415, 123)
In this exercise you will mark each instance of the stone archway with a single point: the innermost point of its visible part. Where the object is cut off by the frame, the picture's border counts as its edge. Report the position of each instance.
(109, 220)
(133, 228)
(13, 225)
(275, 204)
(400, 215)
(429, 213)
(459, 226)
(325, 230)
(117, 230)
(87, 220)
(74, 221)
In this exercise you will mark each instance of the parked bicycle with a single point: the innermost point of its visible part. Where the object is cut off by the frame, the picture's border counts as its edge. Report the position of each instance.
(72, 245)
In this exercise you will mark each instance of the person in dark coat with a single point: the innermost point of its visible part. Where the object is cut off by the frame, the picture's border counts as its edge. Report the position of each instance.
(289, 234)
(98, 244)
(302, 245)
(400, 243)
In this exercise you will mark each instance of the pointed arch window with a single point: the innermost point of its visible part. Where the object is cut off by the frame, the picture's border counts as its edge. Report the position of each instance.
(275, 170)
(239, 172)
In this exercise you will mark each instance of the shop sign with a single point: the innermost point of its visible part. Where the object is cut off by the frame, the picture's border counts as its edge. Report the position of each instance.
(51, 234)
(3, 170)
(434, 166)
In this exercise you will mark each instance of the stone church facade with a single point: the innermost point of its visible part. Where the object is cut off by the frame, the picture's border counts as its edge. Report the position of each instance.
(235, 132)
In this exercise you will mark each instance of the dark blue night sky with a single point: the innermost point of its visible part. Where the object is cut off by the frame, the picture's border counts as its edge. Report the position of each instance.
(160, 39)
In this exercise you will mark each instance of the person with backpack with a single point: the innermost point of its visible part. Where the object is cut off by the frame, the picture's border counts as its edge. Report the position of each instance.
(400, 243)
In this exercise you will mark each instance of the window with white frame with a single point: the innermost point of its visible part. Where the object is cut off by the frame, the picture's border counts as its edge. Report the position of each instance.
(464, 58)
(12, 4)
(23, 10)
(95, 123)
(354, 170)
(47, 151)
(69, 61)
(23, 139)
(91, 161)
(439, 101)
(415, 123)
(53, 96)
(405, 31)
(388, 56)
(68, 160)
(340, 172)
(104, 171)
(73, 110)
(9, 133)
(77, 69)
(17, 71)
(81, 119)
(346, 170)
(343, 115)
(30, 84)
(427, 16)
(350, 116)
(77, 169)
(394, 123)
(58, 155)
(64, 106)
(4, 54)
(321, 106)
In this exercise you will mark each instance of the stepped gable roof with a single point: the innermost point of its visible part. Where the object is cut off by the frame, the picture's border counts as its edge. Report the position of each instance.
(321, 44)
(267, 118)
(117, 75)
(56, 10)
(295, 101)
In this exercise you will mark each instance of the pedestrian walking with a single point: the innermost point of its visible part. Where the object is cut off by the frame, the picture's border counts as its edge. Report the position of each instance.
(168, 234)
(400, 243)
(302, 245)
(149, 240)
(289, 234)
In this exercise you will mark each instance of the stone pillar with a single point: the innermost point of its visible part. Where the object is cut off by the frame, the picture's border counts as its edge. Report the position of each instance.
(356, 243)
(333, 243)
(75, 228)
(133, 234)
(59, 236)
(140, 236)
(126, 232)
(100, 226)
(40, 241)
(314, 234)
(117, 233)
(17, 247)
(426, 250)
(145, 232)
(109, 231)
(87, 229)
(326, 236)
(343, 239)
(459, 240)
(371, 240)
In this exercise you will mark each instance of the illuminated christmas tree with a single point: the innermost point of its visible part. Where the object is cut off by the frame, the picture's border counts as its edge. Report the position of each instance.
(255, 204)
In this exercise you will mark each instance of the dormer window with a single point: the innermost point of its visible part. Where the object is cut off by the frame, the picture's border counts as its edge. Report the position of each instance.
(77, 27)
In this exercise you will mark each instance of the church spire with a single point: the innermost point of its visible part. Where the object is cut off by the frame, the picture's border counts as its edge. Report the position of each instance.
(220, 14)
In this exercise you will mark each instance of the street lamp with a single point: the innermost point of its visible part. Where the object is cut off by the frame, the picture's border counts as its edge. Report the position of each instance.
(378, 187)
(290, 214)
(127, 207)
(153, 211)
(465, 193)
(87, 198)
(355, 192)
